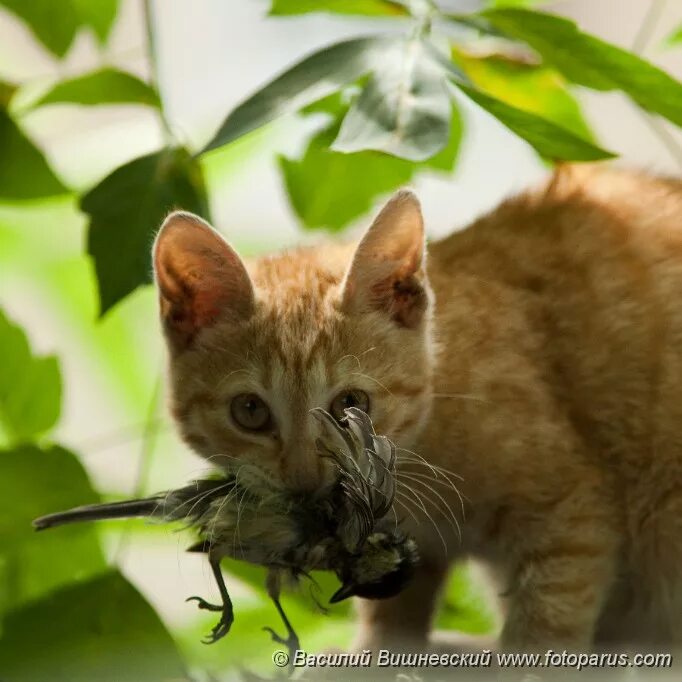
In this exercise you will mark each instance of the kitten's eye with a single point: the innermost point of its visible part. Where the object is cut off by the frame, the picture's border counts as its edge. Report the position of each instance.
(250, 412)
(350, 398)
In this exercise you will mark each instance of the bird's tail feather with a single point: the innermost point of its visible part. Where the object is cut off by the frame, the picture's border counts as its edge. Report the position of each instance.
(150, 506)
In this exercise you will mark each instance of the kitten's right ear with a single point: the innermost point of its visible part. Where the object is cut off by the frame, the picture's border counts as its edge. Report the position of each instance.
(199, 276)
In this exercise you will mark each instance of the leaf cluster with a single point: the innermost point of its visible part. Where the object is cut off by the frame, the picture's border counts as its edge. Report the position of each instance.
(401, 100)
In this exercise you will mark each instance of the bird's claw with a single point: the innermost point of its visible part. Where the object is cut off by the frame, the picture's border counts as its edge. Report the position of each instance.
(203, 604)
(223, 626)
(291, 642)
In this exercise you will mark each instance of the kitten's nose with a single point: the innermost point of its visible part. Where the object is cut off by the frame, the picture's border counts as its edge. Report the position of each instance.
(302, 473)
(303, 470)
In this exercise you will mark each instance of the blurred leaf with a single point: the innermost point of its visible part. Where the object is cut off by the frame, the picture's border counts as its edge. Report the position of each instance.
(107, 86)
(548, 139)
(675, 38)
(446, 158)
(33, 482)
(474, 23)
(513, 3)
(464, 606)
(99, 15)
(7, 91)
(403, 110)
(24, 173)
(365, 7)
(53, 23)
(30, 386)
(100, 630)
(352, 182)
(589, 61)
(316, 76)
(127, 208)
(530, 87)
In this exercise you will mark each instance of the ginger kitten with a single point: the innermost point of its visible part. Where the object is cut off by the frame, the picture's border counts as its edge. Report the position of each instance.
(536, 354)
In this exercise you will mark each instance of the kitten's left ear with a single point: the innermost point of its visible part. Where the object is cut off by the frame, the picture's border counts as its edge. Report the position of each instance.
(387, 272)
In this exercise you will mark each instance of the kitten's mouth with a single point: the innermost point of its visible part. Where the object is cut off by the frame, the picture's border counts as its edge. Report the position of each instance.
(263, 485)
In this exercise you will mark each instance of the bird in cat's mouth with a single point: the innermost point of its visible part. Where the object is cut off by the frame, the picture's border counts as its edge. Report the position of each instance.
(353, 531)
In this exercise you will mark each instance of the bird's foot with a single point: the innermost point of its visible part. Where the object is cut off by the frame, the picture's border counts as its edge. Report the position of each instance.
(223, 626)
(291, 642)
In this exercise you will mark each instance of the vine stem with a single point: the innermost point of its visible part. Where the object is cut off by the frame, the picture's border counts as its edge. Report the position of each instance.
(639, 44)
(648, 26)
(152, 58)
(150, 432)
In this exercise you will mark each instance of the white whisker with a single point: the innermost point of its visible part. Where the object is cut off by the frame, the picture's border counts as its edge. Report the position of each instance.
(407, 509)
(450, 515)
(459, 396)
(436, 470)
(426, 513)
(376, 381)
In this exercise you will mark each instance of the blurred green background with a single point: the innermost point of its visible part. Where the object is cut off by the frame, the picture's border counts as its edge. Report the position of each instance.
(104, 109)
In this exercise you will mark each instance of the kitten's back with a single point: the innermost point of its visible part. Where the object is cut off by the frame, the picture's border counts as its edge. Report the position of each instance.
(561, 312)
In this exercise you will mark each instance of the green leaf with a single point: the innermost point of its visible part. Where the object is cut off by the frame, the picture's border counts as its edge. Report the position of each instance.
(548, 139)
(591, 62)
(99, 15)
(7, 91)
(513, 3)
(316, 76)
(34, 482)
(403, 110)
(364, 7)
(352, 182)
(30, 386)
(127, 208)
(107, 86)
(530, 87)
(446, 158)
(464, 607)
(53, 23)
(24, 173)
(100, 630)
(675, 38)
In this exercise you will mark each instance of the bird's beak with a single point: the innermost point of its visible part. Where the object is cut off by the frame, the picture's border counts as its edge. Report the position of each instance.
(342, 593)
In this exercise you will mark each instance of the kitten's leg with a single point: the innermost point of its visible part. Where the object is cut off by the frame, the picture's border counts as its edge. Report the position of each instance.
(403, 621)
(565, 570)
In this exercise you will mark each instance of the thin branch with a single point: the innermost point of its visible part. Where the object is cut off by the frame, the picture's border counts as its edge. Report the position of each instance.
(152, 58)
(639, 45)
(665, 136)
(648, 26)
(149, 435)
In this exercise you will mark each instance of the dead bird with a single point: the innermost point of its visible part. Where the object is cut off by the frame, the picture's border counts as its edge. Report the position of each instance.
(353, 530)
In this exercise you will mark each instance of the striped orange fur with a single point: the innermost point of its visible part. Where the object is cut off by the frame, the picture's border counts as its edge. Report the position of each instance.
(536, 354)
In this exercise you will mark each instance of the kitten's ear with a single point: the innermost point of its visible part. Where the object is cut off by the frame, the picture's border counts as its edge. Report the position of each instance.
(199, 276)
(387, 272)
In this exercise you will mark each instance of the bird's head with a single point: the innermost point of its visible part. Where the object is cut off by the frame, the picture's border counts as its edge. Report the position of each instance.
(381, 569)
